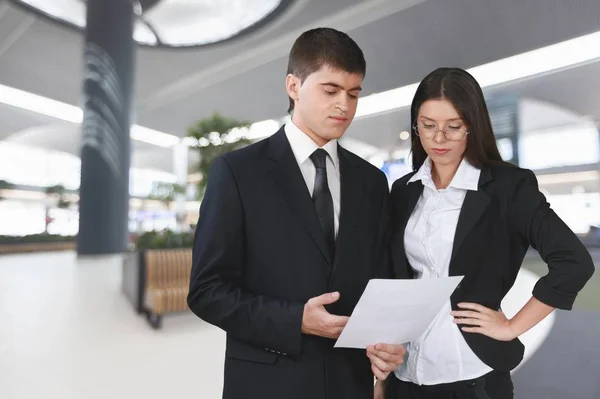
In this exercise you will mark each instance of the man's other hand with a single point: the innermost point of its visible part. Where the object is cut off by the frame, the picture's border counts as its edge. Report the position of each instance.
(318, 321)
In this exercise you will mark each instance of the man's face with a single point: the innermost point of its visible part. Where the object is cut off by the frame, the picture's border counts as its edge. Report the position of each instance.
(325, 103)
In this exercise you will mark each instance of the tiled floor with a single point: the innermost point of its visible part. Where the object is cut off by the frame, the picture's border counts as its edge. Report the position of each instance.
(67, 332)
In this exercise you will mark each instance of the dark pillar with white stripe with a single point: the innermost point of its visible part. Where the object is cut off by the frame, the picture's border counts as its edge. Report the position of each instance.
(105, 143)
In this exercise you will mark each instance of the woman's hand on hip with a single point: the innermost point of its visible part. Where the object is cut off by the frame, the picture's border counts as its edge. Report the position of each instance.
(481, 320)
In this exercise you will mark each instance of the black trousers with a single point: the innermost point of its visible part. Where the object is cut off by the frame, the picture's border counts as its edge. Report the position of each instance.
(495, 385)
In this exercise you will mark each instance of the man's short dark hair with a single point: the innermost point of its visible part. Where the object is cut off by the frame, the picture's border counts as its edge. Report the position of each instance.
(317, 47)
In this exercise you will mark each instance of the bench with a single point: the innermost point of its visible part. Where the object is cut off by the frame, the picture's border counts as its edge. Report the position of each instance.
(166, 282)
(156, 281)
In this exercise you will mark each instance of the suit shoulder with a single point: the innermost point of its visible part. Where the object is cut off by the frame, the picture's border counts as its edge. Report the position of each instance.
(510, 182)
(372, 171)
(242, 157)
(401, 183)
(510, 175)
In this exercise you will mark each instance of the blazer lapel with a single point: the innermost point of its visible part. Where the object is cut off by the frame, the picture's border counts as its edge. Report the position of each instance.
(473, 207)
(286, 172)
(350, 200)
(400, 219)
(415, 189)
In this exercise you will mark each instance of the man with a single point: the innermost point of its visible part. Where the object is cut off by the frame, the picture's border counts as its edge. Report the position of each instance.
(290, 231)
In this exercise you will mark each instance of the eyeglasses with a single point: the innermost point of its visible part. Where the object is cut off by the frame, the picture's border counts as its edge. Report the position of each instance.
(429, 130)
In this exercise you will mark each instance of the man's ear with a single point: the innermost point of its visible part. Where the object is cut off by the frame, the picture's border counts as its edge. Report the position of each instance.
(292, 85)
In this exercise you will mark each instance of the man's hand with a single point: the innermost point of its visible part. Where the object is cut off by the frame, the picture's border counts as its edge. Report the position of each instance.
(317, 321)
(385, 359)
(379, 390)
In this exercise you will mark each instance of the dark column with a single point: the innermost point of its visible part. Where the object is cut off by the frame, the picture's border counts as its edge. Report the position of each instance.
(504, 115)
(105, 146)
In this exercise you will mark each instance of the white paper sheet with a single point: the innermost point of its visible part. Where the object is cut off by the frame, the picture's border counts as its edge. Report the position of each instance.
(396, 311)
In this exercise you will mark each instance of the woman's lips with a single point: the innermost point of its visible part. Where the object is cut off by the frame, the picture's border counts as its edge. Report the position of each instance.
(441, 151)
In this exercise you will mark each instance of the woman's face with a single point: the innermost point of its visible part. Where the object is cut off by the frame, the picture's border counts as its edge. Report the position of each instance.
(442, 132)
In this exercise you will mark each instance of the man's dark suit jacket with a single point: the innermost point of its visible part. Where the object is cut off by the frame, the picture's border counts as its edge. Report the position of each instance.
(259, 255)
(496, 226)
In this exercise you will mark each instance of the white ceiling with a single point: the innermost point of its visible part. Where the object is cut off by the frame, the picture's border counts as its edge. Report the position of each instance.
(403, 40)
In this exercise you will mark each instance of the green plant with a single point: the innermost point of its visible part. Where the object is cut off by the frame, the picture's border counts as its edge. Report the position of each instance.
(58, 192)
(58, 195)
(166, 192)
(36, 238)
(164, 239)
(4, 185)
(214, 137)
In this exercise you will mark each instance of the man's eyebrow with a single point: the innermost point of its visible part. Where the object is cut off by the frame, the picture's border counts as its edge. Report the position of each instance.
(340, 87)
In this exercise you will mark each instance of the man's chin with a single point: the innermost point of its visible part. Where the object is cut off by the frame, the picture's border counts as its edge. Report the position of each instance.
(334, 134)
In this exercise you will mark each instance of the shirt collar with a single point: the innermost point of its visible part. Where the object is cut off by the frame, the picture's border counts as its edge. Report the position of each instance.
(466, 177)
(303, 146)
(424, 172)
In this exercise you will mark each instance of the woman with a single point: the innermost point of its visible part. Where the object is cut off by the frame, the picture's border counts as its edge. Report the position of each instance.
(465, 212)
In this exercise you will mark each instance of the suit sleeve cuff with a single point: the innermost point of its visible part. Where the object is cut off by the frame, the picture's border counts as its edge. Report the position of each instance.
(551, 297)
(294, 333)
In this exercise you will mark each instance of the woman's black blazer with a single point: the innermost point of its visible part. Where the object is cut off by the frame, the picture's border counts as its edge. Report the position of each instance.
(497, 224)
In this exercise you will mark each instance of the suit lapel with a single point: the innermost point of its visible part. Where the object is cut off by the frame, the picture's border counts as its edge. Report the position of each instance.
(473, 207)
(289, 179)
(351, 192)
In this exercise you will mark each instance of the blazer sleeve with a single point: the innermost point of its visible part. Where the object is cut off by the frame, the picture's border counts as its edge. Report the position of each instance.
(570, 264)
(217, 293)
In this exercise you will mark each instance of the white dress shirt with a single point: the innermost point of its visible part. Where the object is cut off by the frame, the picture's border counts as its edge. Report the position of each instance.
(303, 147)
(441, 355)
